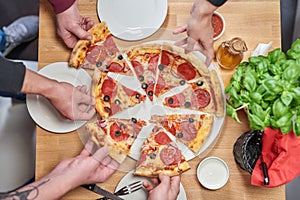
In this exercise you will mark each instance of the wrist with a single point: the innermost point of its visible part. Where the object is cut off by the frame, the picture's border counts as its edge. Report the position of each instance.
(203, 8)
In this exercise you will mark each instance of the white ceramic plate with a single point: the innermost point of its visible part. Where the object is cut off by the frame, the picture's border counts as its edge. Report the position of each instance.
(132, 19)
(142, 193)
(40, 108)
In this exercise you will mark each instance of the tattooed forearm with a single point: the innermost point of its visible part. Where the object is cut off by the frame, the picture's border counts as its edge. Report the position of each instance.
(21, 194)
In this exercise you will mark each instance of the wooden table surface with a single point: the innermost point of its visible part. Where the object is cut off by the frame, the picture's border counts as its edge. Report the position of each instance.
(255, 21)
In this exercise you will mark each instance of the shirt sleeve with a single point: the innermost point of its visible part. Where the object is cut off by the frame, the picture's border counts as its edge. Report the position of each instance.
(217, 3)
(61, 5)
(11, 76)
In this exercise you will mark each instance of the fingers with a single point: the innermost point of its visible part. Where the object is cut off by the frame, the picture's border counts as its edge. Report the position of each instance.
(164, 179)
(82, 115)
(190, 45)
(101, 153)
(88, 147)
(181, 42)
(148, 185)
(175, 181)
(180, 30)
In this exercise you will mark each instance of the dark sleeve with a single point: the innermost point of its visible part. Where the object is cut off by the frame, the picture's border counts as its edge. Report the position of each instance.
(61, 5)
(217, 3)
(11, 76)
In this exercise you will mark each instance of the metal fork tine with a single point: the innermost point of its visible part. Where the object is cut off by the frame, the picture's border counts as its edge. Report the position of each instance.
(132, 187)
(135, 189)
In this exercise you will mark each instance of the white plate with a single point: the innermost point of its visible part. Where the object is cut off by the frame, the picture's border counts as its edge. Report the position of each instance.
(40, 108)
(141, 194)
(212, 173)
(132, 19)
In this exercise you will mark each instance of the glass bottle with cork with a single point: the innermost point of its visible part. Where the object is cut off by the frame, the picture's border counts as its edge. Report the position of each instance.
(230, 53)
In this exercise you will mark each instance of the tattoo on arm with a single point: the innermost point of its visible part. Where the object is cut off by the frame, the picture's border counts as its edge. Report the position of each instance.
(23, 195)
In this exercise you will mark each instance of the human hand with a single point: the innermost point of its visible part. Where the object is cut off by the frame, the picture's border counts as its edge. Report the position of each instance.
(71, 26)
(199, 30)
(86, 168)
(73, 102)
(168, 186)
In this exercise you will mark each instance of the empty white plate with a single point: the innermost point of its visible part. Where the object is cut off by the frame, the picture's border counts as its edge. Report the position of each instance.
(132, 19)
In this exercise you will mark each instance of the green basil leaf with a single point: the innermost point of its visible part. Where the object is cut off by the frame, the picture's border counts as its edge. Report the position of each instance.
(273, 86)
(285, 120)
(273, 123)
(255, 122)
(292, 72)
(279, 109)
(296, 95)
(287, 129)
(297, 126)
(250, 82)
(286, 97)
(258, 111)
(256, 97)
(276, 55)
(230, 111)
(294, 51)
(275, 69)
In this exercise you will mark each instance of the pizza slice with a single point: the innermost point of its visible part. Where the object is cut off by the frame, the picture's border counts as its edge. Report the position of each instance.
(100, 52)
(117, 134)
(111, 96)
(190, 129)
(176, 68)
(159, 154)
(199, 95)
(144, 60)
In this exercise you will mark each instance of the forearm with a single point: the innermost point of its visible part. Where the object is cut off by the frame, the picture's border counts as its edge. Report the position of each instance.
(61, 5)
(202, 8)
(47, 188)
(35, 83)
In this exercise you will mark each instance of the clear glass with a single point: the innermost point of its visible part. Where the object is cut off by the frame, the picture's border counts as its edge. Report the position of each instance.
(230, 53)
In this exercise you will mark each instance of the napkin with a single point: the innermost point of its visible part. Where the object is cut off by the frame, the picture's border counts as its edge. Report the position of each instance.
(282, 157)
(261, 49)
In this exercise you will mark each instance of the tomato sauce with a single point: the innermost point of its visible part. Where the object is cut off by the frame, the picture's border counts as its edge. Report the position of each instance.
(217, 24)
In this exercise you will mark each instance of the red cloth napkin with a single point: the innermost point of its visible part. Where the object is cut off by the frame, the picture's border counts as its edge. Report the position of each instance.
(281, 153)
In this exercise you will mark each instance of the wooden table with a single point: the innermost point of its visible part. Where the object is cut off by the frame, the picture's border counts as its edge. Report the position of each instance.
(255, 21)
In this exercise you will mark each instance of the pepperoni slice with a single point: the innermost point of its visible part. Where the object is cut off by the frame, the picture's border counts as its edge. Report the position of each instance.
(116, 133)
(175, 100)
(162, 138)
(160, 85)
(138, 68)
(165, 58)
(200, 98)
(150, 90)
(141, 159)
(129, 91)
(186, 71)
(188, 130)
(92, 54)
(152, 63)
(109, 87)
(110, 45)
(170, 155)
(115, 67)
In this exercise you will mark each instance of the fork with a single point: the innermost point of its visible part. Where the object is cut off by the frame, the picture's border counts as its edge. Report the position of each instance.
(128, 189)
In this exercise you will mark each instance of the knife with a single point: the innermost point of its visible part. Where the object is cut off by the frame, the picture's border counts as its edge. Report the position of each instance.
(99, 190)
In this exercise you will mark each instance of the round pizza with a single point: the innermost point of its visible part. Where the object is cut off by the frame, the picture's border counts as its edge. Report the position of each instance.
(153, 95)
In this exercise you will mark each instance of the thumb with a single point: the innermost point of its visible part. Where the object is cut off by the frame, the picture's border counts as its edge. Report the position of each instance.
(81, 33)
(101, 153)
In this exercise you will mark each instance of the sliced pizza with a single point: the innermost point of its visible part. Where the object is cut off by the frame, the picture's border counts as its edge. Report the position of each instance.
(198, 95)
(159, 154)
(100, 52)
(117, 134)
(176, 68)
(144, 60)
(190, 129)
(111, 96)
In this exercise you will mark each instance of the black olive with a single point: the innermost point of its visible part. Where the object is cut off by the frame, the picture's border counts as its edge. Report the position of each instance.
(106, 98)
(153, 155)
(187, 104)
(191, 120)
(141, 78)
(134, 120)
(117, 133)
(182, 82)
(150, 93)
(98, 64)
(107, 66)
(117, 101)
(199, 83)
(144, 85)
(170, 100)
(120, 57)
(137, 96)
(161, 67)
(107, 109)
(179, 135)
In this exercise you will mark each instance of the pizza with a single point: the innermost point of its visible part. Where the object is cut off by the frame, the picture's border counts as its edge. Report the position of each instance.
(100, 52)
(144, 60)
(159, 154)
(176, 68)
(163, 75)
(200, 95)
(190, 129)
(117, 134)
(111, 96)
